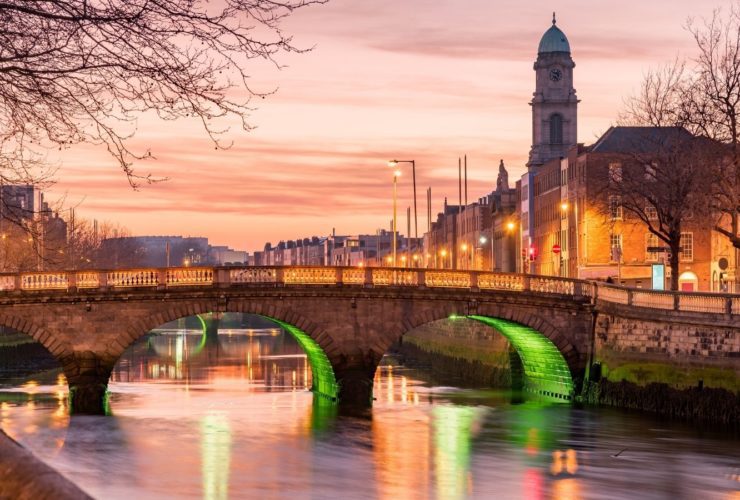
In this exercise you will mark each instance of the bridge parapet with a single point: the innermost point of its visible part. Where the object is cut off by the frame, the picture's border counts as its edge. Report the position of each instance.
(691, 302)
(175, 277)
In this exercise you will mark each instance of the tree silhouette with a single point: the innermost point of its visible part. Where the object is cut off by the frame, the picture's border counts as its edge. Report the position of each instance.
(82, 71)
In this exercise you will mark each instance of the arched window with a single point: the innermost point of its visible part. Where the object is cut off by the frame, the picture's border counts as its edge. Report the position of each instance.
(556, 129)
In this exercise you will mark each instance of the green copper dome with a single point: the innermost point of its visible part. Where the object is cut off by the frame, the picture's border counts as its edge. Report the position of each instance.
(553, 40)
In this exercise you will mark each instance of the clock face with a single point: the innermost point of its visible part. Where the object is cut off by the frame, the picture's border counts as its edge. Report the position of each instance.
(556, 75)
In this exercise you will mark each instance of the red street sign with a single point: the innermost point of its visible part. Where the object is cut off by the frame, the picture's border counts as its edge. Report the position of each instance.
(556, 249)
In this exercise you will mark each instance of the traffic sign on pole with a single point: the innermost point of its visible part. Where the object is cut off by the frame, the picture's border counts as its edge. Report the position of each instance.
(556, 249)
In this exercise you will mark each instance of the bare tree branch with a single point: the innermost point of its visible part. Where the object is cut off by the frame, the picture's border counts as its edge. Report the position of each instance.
(83, 71)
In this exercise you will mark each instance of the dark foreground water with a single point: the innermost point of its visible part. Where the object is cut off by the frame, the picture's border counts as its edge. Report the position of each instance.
(230, 417)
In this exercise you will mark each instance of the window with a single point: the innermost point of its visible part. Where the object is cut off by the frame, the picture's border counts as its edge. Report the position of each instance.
(651, 172)
(687, 247)
(651, 241)
(556, 129)
(651, 212)
(615, 244)
(615, 173)
(615, 207)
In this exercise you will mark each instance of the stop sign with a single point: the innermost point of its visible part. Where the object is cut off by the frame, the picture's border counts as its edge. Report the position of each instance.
(556, 249)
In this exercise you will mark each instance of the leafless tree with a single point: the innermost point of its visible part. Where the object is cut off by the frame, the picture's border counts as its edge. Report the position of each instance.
(83, 71)
(658, 181)
(714, 110)
(703, 96)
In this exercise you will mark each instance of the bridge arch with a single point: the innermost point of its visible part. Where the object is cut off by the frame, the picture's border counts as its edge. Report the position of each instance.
(39, 334)
(310, 337)
(549, 361)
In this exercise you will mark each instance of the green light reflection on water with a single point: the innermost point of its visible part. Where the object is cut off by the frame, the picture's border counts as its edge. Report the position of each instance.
(546, 372)
(215, 456)
(453, 433)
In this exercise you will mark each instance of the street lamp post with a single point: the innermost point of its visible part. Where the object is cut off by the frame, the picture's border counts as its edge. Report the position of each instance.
(396, 175)
(562, 241)
(510, 226)
(394, 164)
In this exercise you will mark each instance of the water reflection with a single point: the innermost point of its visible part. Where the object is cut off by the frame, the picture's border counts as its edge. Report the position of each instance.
(229, 416)
(215, 455)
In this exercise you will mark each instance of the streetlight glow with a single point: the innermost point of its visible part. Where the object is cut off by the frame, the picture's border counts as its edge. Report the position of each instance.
(510, 226)
(392, 163)
(482, 240)
(396, 173)
(464, 247)
(564, 206)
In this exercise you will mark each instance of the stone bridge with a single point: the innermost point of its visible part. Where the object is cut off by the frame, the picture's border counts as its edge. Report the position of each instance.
(345, 318)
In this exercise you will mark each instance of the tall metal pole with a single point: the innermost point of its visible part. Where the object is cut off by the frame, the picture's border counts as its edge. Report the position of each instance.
(395, 182)
(466, 180)
(459, 185)
(416, 220)
(408, 235)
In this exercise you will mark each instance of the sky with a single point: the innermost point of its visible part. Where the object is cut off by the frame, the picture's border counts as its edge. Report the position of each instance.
(428, 80)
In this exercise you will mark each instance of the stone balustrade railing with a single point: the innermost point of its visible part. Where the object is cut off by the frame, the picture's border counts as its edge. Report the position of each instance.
(358, 276)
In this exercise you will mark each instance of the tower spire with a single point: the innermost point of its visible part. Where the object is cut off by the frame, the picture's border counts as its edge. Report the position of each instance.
(553, 18)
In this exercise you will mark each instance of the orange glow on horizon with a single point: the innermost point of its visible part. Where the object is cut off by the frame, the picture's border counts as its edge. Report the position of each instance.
(453, 81)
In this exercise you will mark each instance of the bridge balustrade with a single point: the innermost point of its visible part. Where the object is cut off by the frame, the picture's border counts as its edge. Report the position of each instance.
(702, 303)
(434, 278)
(132, 278)
(310, 276)
(87, 279)
(189, 276)
(551, 285)
(44, 281)
(495, 281)
(387, 277)
(253, 275)
(613, 294)
(448, 279)
(7, 282)
(654, 300)
(353, 276)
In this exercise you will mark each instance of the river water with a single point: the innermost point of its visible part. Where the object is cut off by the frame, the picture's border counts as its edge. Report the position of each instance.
(230, 417)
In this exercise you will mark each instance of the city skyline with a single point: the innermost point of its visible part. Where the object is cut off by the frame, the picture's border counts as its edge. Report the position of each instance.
(388, 81)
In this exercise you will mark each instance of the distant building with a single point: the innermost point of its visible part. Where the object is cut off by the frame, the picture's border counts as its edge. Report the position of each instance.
(175, 251)
(20, 202)
(221, 255)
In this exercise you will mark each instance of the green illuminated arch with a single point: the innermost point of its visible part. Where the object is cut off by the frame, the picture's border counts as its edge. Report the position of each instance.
(324, 380)
(546, 372)
(203, 337)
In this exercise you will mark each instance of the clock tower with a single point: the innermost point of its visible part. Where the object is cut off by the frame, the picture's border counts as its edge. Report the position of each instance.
(554, 102)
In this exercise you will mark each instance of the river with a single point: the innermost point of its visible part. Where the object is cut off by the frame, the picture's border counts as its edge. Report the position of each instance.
(230, 416)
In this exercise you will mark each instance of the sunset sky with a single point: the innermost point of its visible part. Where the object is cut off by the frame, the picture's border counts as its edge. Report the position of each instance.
(428, 80)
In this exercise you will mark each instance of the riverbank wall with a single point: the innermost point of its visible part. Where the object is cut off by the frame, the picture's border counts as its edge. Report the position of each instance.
(25, 477)
(679, 371)
(676, 365)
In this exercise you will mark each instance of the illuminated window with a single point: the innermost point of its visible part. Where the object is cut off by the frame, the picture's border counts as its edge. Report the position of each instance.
(651, 212)
(615, 244)
(615, 207)
(556, 129)
(615, 172)
(651, 241)
(687, 247)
